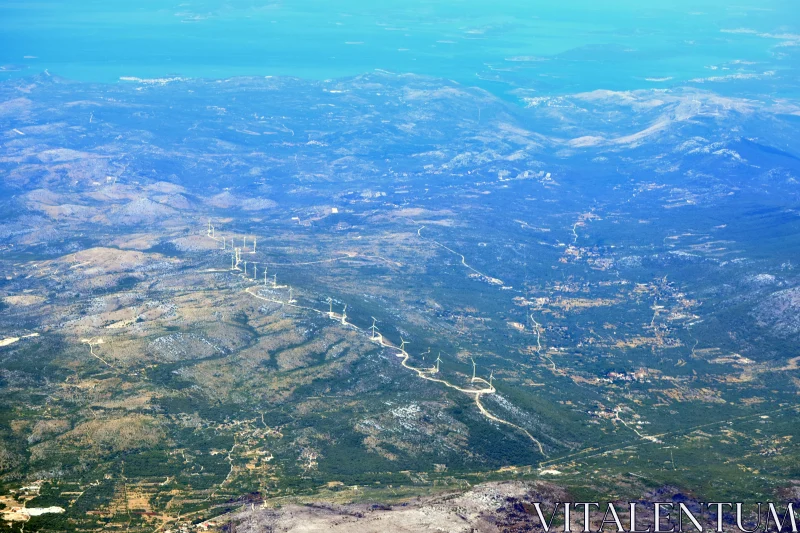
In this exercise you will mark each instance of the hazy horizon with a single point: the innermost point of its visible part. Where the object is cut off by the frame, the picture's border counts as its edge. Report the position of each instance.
(502, 47)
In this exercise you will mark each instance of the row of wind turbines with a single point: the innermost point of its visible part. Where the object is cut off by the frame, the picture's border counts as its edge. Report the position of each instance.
(376, 336)
(237, 260)
(424, 373)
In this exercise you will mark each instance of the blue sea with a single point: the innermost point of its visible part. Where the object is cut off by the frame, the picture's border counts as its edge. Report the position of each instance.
(507, 47)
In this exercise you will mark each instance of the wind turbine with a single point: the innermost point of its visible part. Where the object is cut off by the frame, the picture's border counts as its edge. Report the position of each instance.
(438, 360)
(403, 345)
(330, 304)
(254, 245)
(274, 281)
(473, 370)
(491, 377)
(255, 269)
(245, 268)
(344, 314)
(265, 276)
(244, 242)
(233, 260)
(374, 328)
(291, 300)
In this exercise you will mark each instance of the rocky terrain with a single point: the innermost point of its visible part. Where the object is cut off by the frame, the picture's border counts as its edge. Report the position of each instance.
(593, 286)
(487, 508)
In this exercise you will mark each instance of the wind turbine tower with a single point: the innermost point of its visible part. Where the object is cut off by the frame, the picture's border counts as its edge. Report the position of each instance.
(491, 377)
(438, 360)
(265, 277)
(330, 305)
(291, 300)
(255, 270)
(274, 281)
(344, 314)
(245, 268)
(374, 328)
(403, 345)
(254, 245)
(473, 370)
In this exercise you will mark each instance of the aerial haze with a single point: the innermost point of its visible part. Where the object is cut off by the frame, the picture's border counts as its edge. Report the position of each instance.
(408, 266)
(501, 46)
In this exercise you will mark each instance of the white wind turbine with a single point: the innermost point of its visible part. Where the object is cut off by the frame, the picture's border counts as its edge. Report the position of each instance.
(373, 327)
